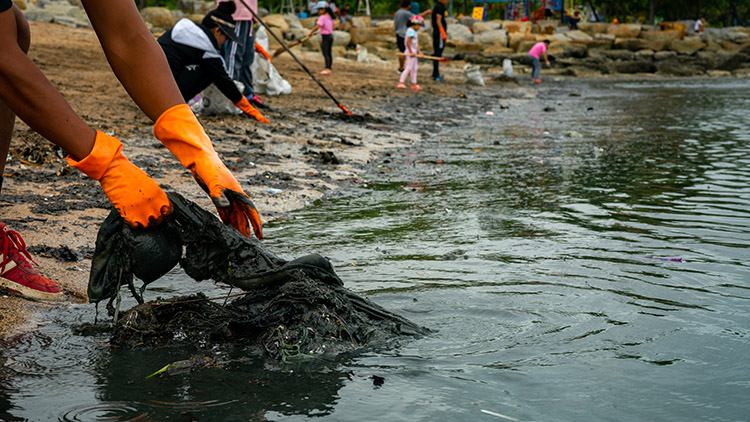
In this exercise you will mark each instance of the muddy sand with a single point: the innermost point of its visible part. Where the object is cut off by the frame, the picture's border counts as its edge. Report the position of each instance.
(309, 150)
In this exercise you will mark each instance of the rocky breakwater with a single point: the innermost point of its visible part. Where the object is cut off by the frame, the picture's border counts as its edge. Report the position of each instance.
(599, 48)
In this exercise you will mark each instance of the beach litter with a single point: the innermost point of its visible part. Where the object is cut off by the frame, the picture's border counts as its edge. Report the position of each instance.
(287, 309)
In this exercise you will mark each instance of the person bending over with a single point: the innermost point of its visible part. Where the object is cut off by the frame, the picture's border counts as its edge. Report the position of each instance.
(139, 64)
(192, 51)
(539, 49)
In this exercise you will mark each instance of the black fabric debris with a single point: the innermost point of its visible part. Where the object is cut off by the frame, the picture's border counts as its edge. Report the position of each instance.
(291, 309)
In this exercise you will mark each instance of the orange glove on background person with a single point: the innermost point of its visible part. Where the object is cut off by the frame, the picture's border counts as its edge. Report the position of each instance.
(260, 50)
(179, 130)
(443, 35)
(248, 109)
(138, 199)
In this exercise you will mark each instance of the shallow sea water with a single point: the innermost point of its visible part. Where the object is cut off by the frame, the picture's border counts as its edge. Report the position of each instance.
(535, 243)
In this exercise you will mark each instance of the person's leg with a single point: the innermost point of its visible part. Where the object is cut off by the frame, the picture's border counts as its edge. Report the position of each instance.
(249, 58)
(404, 74)
(16, 274)
(401, 48)
(536, 68)
(327, 44)
(243, 57)
(412, 63)
(7, 117)
(437, 45)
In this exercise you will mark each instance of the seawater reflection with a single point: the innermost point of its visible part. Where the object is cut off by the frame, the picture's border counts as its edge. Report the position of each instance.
(531, 241)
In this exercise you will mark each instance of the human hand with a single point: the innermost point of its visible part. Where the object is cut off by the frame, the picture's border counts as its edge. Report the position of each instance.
(179, 130)
(251, 111)
(259, 49)
(234, 206)
(136, 196)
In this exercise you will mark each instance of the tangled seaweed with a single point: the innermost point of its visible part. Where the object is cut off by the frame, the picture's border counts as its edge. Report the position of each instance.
(290, 308)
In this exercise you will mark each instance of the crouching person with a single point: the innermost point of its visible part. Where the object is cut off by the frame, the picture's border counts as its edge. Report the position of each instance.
(196, 62)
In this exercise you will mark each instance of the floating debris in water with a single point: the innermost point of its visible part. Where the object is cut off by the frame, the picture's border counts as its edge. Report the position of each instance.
(289, 310)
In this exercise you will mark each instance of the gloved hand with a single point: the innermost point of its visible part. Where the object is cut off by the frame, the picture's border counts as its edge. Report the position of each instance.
(179, 130)
(138, 199)
(443, 35)
(260, 50)
(248, 109)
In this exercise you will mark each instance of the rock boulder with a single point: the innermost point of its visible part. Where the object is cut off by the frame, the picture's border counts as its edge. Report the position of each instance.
(364, 35)
(624, 30)
(460, 32)
(688, 45)
(277, 22)
(158, 17)
(493, 37)
(480, 27)
(635, 44)
(680, 27)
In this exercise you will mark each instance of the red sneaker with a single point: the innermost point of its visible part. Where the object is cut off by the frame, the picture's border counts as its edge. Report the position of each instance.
(15, 272)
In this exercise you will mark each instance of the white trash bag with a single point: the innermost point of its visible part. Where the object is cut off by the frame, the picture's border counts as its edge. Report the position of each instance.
(472, 75)
(361, 54)
(507, 67)
(212, 101)
(266, 79)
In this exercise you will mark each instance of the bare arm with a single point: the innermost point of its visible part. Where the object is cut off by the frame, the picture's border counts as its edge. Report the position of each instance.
(134, 55)
(313, 31)
(546, 60)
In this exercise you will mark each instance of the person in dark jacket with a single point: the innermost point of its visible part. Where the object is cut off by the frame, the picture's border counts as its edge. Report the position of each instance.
(193, 54)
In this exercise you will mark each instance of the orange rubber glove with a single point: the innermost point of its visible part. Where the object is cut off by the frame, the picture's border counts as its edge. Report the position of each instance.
(442, 33)
(248, 109)
(138, 199)
(260, 50)
(179, 130)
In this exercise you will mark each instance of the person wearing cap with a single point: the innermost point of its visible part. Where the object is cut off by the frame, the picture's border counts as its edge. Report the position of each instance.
(193, 54)
(412, 52)
(140, 65)
(326, 23)
(401, 22)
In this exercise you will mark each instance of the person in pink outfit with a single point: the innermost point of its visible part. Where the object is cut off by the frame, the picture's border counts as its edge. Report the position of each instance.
(412, 52)
(539, 49)
(325, 23)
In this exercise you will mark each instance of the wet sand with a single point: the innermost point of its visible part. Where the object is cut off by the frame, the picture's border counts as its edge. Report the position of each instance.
(58, 210)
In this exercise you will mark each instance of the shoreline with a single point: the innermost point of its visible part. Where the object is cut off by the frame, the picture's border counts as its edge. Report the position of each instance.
(58, 210)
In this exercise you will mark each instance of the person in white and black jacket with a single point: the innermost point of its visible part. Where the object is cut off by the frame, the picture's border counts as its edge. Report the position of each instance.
(192, 51)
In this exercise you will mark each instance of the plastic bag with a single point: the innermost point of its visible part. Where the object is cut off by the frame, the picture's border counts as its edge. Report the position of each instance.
(361, 54)
(472, 75)
(266, 79)
(212, 101)
(507, 67)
